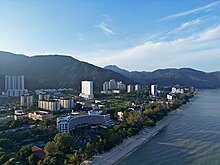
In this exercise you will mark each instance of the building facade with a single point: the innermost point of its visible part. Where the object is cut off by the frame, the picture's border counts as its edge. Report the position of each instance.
(51, 105)
(14, 86)
(39, 115)
(66, 103)
(154, 90)
(130, 88)
(26, 100)
(137, 87)
(87, 90)
(67, 124)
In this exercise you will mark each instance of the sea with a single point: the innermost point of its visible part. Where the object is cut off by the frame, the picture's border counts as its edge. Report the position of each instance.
(192, 138)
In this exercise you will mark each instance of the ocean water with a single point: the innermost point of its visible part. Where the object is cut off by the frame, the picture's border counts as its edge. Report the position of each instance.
(192, 138)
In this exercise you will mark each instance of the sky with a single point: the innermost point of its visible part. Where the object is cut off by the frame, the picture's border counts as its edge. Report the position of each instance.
(142, 35)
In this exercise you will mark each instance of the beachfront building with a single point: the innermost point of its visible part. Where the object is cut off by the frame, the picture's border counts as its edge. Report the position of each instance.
(171, 96)
(177, 90)
(69, 123)
(87, 90)
(154, 90)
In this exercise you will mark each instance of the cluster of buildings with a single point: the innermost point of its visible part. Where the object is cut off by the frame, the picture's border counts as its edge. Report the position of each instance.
(47, 102)
(14, 86)
(39, 91)
(113, 86)
(37, 115)
(176, 90)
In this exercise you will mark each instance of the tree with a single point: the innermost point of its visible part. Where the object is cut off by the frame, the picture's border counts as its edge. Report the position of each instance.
(134, 118)
(33, 159)
(6, 143)
(51, 147)
(24, 152)
(63, 141)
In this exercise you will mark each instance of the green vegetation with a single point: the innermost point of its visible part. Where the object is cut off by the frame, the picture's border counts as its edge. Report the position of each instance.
(69, 71)
(83, 143)
(15, 144)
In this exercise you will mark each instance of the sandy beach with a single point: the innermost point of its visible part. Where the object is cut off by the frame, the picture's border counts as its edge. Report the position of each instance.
(129, 145)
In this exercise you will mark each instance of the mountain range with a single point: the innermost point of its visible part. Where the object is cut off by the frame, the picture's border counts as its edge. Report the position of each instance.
(55, 71)
(168, 77)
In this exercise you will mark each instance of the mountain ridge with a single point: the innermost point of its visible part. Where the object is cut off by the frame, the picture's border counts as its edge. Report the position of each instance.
(54, 71)
(171, 76)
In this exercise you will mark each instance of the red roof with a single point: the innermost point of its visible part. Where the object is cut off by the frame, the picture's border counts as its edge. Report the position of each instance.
(41, 154)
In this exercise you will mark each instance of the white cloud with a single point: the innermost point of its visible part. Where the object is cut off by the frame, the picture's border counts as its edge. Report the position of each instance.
(104, 28)
(191, 51)
(187, 25)
(196, 10)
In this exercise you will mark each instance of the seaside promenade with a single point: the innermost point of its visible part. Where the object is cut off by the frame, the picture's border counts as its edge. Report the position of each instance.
(129, 145)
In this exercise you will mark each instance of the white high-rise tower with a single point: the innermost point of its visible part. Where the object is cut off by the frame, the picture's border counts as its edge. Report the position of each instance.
(154, 90)
(87, 90)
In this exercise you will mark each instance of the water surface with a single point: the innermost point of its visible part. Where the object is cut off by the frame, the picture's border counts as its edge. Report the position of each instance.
(193, 138)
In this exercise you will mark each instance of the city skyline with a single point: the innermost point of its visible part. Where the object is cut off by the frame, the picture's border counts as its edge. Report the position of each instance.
(149, 34)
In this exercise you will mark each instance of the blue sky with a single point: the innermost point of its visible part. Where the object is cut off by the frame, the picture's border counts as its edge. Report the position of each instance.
(135, 35)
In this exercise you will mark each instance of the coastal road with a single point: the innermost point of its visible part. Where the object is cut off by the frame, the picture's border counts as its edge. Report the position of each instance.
(131, 144)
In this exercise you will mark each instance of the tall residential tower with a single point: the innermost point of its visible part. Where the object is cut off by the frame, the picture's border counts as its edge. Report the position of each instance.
(14, 86)
(87, 90)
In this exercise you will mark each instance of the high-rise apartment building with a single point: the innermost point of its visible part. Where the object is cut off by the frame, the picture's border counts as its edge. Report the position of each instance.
(154, 90)
(112, 84)
(87, 90)
(14, 86)
(121, 86)
(137, 87)
(26, 100)
(105, 86)
(130, 88)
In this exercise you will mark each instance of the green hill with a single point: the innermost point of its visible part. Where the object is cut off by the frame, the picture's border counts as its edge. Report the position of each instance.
(54, 71)
(169, 77)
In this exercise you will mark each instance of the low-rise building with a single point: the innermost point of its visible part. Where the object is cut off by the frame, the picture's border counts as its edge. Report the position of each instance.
(69, 123)
(39, 115)
(177, 90)
(19, 114)
(171, 96)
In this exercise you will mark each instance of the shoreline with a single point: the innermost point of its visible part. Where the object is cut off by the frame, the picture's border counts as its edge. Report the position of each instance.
(131, 144)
